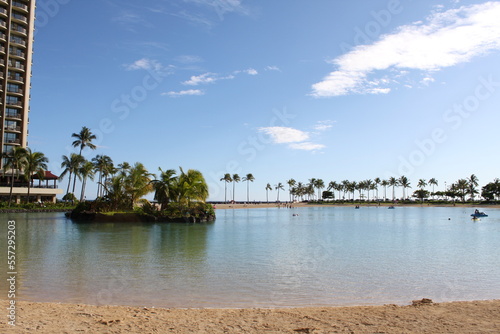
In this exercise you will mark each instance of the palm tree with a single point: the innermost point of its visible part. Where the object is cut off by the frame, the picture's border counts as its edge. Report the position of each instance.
(462, 187)
(369, 185)
(124, 167)
(102, 164)
(384, 183)
(291, 183)
(433, 182)
(319, 184)
(248, 178)
(83, 139)
(377, 181)
(164, 187)
(226, 178)
(137, 183)
(345, 186)
(71, 165)
(278, 187)
(393, 182)
(405, 183)
(192, 187)
(86, 171)
(422, 184)
(473, 183)
(15, 160)
(268, 187)
(35, 163)
(236, 178)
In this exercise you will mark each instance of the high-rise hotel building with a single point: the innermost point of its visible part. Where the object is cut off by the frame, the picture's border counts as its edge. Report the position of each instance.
(17, 25)
(17, 21)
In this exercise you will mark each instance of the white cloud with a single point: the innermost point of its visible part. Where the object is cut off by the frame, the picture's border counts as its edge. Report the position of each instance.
(306, 146)
(323, 125)
(251, 71)
(445, 39)
(283, 135)
(144, 64)
(272, 68)
(205, 78)
(185, 93)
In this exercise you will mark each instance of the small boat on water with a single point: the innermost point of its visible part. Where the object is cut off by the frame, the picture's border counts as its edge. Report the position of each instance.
(478, 214)
(391, 207)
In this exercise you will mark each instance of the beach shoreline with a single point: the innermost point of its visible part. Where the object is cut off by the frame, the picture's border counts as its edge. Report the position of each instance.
(420, 317)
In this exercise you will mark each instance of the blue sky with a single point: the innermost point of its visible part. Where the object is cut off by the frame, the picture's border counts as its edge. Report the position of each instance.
(281, 89)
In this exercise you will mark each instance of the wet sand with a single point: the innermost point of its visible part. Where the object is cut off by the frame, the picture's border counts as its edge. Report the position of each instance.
(456, 317)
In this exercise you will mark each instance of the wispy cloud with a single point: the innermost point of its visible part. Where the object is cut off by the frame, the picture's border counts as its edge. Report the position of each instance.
(445, 39)
(307, 146)
(272, 68)
(323, 125)
(296, 139)
(222, 7)
(150, 65)
(189, 92)
(188, 59)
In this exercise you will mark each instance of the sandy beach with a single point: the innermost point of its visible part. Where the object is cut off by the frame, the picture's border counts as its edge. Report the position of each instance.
(456, 317)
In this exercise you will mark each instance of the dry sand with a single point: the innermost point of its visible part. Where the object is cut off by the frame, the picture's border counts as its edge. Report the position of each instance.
(456, 317)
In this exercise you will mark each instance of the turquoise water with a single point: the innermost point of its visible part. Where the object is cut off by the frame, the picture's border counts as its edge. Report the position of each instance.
(261, 258)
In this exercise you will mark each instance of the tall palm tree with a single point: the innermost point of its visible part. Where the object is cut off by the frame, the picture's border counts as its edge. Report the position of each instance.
(377, 181)
(15, 160)
(124, 167)
(86, 171)
(70, 165)
(102, 164)
(164, 187)
(462, 186)
(433, 182)
(236, 178)
(319, 184)
(393, 182)
(268, 187)
(248, 178)
(473, 183)
(226, 178)
(291, 183)
(83, 139)
(405, 183)
(278, 187)
(369, 185)
(35, 163)
(384, 183)
(422, 184)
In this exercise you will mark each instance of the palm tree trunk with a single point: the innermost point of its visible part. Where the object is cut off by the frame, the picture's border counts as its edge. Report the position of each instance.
(11, 187)
(84, 183)
(69, 183)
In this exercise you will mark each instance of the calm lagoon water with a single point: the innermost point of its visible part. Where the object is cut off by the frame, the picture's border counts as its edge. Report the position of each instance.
(261, 258)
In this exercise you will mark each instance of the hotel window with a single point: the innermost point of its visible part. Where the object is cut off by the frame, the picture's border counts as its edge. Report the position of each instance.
(11, 138)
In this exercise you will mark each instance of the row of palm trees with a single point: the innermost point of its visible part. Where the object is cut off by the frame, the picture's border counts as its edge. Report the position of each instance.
(313, 189)
(25, 162)
(235, 178)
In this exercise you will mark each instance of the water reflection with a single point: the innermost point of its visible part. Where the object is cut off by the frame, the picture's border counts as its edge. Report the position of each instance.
(261, 257)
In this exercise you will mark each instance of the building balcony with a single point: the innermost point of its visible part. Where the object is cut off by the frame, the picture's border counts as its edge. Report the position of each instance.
(13, 141)
(13, 115)
(14, 103)
(16, 66)
(13, 128)
(16, 78)
(20, 5)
